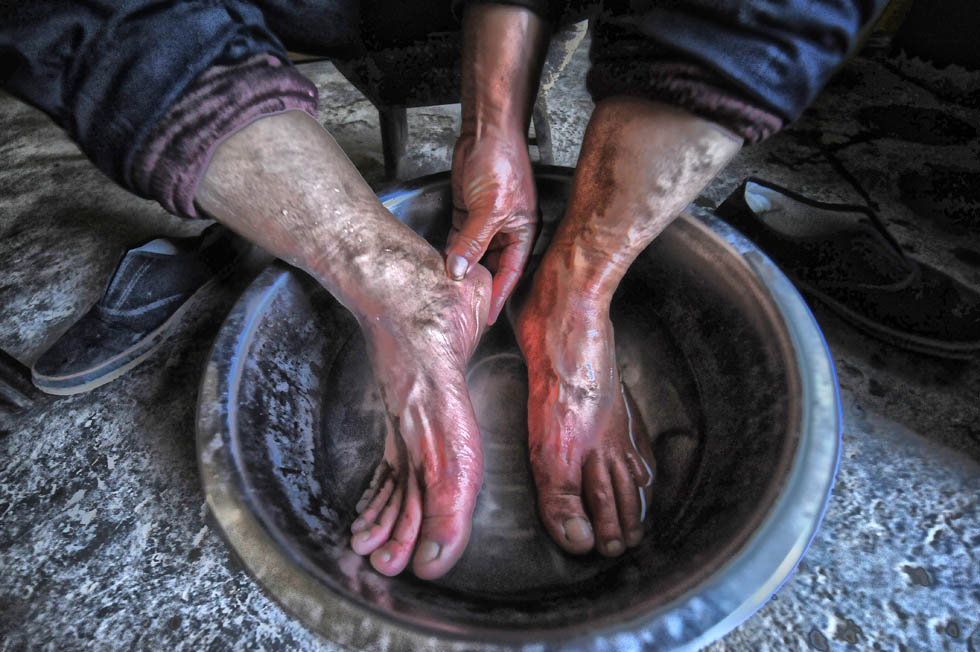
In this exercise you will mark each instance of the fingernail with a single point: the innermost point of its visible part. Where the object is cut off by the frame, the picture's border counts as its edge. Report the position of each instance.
(361, 506)
(457, 266)
(577, 529)
(614, 547)
(428, 551)
(358, 525)
(384, 556)
(363, 536)
(634, 537)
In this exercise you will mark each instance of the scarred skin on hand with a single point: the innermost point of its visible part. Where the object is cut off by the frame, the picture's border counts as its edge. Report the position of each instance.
(494, 198)
(283, 183)
(641, 164)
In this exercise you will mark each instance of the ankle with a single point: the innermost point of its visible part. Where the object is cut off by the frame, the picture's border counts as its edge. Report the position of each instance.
(379, 274)
(578, 277)
(558, 300)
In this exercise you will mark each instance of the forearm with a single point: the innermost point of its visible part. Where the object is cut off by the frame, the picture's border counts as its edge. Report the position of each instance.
(642, 163)
(503, 51)
(283, 183)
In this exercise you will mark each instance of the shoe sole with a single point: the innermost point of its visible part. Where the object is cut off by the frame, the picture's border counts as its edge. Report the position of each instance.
(896, 338)
(136, 354)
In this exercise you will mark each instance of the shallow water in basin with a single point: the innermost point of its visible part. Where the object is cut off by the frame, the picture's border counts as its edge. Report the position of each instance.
(510, 554)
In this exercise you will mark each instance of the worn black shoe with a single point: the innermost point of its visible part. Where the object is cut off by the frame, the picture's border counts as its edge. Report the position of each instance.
(844, 257)
(149, 293)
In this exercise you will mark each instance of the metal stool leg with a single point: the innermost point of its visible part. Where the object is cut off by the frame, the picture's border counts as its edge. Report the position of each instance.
(394, 133)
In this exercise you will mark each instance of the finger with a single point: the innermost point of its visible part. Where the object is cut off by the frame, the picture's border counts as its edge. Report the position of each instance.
(459, 219)
(509, 269)
(467, 246)
(460, 152)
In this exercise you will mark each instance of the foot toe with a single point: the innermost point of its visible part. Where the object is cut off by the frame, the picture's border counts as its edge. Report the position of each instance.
(369, 539)
(565, 519)
(370, 513)
(393, 556)
(630, 502)
(578, 531)
(380, 475)
(601, 499)
(442, 540)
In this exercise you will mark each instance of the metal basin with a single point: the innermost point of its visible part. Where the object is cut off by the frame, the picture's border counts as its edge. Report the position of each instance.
(727, 368)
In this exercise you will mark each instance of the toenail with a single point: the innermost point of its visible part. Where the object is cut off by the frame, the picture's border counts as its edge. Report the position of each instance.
(457, 266)
(358, 525)
(614, 546)
(364, 536)
(577, 529)
(634, 537)
(428, 551)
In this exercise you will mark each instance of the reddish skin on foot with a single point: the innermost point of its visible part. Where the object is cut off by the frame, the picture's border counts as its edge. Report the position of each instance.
(589, 452)
(425, 488)
(641, 164)
(284, 183)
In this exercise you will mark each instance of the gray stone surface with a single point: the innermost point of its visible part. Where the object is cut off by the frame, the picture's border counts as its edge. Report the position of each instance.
(104, 538)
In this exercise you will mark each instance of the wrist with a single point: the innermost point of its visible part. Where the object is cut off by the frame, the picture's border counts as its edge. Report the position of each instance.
(503, 51)
(486, 120)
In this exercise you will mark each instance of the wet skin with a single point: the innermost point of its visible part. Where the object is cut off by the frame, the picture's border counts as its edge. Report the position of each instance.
(283, 183)
(426, 485)
(494, 199)
(590, 455)
(641, 164)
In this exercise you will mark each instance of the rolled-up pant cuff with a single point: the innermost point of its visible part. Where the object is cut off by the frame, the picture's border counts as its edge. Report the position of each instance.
(219, 102)
(687, 86)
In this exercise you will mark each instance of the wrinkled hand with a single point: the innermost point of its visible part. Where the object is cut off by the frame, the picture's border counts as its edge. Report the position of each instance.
(495, 211)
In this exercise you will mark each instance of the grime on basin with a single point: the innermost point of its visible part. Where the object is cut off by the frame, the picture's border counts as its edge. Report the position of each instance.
(729, 378)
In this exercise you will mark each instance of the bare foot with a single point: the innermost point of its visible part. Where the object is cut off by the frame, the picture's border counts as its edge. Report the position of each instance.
(284, 183)
(641, 164)
(589, 452)
(423, 493)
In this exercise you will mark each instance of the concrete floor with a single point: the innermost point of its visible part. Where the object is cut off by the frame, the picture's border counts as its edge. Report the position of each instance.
(105, 541)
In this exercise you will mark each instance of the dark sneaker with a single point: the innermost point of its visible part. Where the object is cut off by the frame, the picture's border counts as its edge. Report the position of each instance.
(149, 293)
(843, 256)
